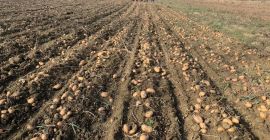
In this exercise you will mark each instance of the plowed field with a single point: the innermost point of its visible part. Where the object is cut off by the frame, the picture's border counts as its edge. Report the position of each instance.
(125, 70)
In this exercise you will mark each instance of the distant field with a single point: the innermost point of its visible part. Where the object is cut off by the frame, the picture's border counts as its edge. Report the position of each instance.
(254, 8)
(249, 29)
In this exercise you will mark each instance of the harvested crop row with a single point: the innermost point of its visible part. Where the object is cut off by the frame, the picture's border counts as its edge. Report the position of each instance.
(51, 74)
(39, 57)
(195, 81)
(97, 74)
(246, 97)
(33, 40)
(55, 22)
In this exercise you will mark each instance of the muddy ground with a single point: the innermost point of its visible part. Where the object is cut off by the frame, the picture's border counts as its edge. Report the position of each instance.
(125, 70)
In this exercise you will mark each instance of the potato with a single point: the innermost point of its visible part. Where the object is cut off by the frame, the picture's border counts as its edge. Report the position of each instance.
(198, 119)
(133, 130)
(11, 110)
(143, 94)
(203, 131)
(150, 90)
(56, 100)
(220, 129)
(228, 121)
(197, 106)
(135, 94)
(101, 109)
(147, 104)
(203, 125)
(4, 111)
(2, 101)
(44, 136)
(83, 62)
(35, 138)
(29, 127)
(62, 112)
(57, 86)
(264, 98)
(125, 128)
(146, 128)
(59, 124)
(31, 100)
(104, 94)
(149, 114)
(80, 78)
(138, 103)
(235, 120)
(201, 94)
(157, 69)
(231, 130)
(185, 67)
(144, 137)
(263, 115)
(207, 107)
(248, 104)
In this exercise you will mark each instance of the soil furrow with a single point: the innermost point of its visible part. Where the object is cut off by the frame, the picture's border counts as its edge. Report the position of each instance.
(72, 58)
(26, 44)
(121, 99)
(199, 77)
(219, 76)
(38, 54)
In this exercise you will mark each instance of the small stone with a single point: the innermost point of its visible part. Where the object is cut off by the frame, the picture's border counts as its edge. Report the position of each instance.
(114, 76)
(56, 100)
(41, 63)
(63, 112)
(138, 103)
(57, 86)
(207, 107)
(83, 62)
